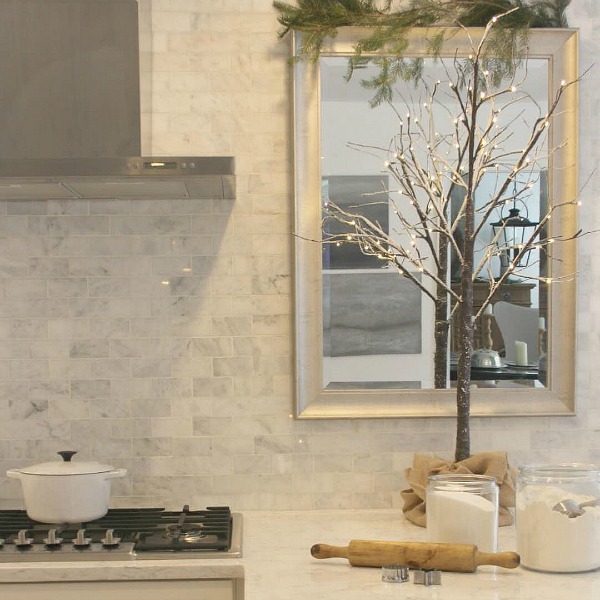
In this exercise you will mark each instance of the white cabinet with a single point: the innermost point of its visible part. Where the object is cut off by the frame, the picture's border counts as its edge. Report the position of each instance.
(164, 589)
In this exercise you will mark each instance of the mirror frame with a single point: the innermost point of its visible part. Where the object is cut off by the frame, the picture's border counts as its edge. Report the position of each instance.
(560, 48)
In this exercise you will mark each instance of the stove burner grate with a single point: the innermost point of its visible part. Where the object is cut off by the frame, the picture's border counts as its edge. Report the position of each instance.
(144, 529)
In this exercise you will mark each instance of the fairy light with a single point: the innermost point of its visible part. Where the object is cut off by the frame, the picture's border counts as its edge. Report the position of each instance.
(563, 83)
(513, 88)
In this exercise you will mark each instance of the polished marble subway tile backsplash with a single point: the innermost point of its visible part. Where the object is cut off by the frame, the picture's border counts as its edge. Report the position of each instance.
(157, 335)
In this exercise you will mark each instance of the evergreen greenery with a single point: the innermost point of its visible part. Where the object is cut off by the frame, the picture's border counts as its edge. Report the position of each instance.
(388, 30)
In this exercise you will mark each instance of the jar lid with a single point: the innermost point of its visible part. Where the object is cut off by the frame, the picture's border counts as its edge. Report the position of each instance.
(462, 482)
(560, 472)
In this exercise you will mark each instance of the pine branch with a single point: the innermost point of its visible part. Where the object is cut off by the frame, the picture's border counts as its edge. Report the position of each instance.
(388, 30)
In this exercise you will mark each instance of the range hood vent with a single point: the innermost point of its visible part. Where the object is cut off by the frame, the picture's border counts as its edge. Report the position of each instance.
(72, 107)
(128, 177)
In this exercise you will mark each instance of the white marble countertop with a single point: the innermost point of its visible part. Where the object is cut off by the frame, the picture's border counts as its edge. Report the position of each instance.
(277, 564)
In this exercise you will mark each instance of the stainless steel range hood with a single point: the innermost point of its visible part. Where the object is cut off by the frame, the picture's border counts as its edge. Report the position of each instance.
(72, 102)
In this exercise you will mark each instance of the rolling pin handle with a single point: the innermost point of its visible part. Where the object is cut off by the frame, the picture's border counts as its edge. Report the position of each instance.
(327, 551)
(508, 560)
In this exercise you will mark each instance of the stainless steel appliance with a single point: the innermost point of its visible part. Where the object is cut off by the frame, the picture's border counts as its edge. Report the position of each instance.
(76, 107)
(124, 534)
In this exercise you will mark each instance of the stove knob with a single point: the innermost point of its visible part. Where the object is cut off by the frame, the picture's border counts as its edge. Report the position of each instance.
(52, 539)
(22, 541)
(109, 540)
(80, 540)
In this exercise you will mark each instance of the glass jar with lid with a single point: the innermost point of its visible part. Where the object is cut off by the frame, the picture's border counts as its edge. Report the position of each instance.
(463, 509)
(558, 517)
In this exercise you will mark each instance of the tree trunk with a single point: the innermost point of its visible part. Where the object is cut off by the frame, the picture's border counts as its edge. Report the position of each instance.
(441, 339)
(463, 378)
(440, 358)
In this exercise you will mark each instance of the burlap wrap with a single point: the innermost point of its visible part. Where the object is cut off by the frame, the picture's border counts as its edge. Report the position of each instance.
(493, 464)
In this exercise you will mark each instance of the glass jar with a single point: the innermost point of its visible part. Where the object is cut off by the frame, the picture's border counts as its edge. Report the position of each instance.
(554, 533)
(463, 509)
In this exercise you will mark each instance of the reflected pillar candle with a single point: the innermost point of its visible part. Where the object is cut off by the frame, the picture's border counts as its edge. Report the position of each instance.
(521, 353)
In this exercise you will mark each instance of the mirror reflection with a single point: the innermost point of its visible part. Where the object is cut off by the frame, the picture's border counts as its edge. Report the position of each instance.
(378, 326)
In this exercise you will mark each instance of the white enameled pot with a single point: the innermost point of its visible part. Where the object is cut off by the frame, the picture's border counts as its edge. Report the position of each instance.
(65, 491)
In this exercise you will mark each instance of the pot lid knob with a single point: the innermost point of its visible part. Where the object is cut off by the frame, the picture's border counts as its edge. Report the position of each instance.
(67, 455)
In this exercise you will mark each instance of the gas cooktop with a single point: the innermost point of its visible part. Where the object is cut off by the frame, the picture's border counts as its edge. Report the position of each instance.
(124, 534)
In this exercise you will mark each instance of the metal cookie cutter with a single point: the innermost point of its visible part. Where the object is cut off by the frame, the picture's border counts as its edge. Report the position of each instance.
(394, 573)
(428, 577)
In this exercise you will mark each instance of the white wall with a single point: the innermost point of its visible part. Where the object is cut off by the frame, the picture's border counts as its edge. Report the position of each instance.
(190, 386)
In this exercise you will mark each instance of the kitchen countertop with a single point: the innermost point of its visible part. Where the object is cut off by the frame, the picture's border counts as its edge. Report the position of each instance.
(277, 564)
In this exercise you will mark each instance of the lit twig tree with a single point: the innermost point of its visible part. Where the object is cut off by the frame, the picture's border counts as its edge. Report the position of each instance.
(432, 163)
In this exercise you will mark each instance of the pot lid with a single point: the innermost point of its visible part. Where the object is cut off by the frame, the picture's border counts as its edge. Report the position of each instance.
(66, 467)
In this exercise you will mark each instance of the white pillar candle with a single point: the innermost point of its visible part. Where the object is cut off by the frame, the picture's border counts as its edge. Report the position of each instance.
(542, 325)
(521, 353)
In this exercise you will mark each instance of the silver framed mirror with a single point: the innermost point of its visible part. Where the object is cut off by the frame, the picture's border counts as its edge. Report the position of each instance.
(320, 391)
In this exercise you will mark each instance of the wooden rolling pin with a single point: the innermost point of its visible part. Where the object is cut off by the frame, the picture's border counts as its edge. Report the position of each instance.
(461, 558)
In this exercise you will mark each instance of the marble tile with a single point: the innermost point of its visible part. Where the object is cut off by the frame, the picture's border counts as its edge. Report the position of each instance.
(159, 334)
